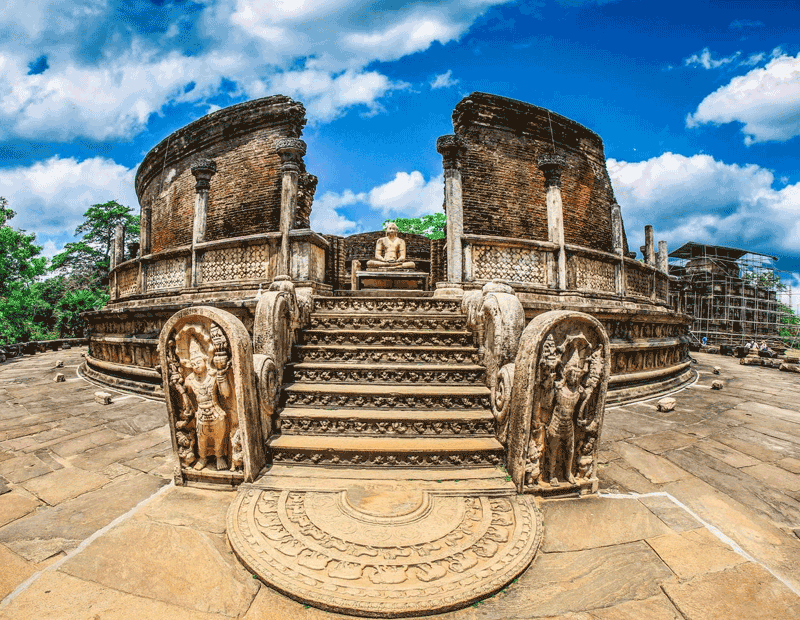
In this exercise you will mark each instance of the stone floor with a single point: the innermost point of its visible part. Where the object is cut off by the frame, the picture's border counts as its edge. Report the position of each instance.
(698, 518)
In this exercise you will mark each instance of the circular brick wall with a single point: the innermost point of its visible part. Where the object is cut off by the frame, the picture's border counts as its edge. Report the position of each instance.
(503, 188)
(244, 198)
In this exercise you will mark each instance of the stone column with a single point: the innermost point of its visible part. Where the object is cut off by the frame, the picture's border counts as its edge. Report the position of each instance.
(663, 264)
(144, 230)
(202, 169)
(649, 246)
(619, 249)
(291, 151)
(551, 166)
(450, 148)
(119, 245)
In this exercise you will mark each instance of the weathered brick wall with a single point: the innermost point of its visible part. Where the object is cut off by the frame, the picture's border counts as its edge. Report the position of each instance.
(503, 188)
(438, 262)
(244, 198)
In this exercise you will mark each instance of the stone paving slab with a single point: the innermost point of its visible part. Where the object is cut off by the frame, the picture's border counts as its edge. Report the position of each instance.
(732, 458)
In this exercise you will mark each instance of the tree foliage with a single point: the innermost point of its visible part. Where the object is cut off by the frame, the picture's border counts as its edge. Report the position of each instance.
(431, 225)
(87, 260)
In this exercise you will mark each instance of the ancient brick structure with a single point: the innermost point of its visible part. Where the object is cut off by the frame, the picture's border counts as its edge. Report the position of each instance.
(226, 205)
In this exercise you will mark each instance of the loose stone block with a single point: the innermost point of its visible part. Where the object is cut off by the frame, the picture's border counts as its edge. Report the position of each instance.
(60, 364)
(790, 367)
(717, 385)
(716, 370)
(666, 404)
(59, 378)
(104, 398)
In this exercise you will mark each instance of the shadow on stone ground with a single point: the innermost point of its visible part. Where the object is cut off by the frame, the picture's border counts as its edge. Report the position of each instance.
(698, 518)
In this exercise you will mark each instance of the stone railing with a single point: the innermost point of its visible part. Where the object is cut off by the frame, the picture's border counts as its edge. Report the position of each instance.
(239, 262)
(533, 264)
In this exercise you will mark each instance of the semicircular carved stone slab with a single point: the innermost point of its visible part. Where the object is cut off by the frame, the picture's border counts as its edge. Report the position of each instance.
(384, 550)
(209, 387)
(556, 412)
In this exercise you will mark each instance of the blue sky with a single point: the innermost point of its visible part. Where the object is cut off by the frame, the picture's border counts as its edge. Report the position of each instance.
(698, 103)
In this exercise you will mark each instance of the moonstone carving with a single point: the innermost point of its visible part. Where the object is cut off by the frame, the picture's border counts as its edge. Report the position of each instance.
(560, 380)
(207, 373)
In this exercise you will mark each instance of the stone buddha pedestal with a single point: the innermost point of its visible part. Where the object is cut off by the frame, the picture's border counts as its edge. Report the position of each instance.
(389, 269)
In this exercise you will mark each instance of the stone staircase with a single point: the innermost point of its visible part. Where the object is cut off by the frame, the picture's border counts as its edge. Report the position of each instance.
(386, 381)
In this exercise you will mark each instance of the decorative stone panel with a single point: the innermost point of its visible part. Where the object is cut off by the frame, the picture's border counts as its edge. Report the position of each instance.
(585, 273)
(127, 280)
(234, 263)
(638, 281)
(166, 274)
(508, 263)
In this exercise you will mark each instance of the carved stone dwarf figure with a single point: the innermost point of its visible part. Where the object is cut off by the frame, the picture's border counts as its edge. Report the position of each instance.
(212, 424)
(390, 252)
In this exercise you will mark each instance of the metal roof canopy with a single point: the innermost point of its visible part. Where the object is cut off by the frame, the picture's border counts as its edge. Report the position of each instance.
(697, 250)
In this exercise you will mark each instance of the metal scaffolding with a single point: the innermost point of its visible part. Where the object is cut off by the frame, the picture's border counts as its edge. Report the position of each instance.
(734, 296)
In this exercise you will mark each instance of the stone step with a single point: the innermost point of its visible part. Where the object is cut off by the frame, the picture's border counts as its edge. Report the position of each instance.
(393, 321)
(385, 451)
(405, 337)
(389, 422)
(386, 396)
(333, 372)
(386, 354)
(393, 304)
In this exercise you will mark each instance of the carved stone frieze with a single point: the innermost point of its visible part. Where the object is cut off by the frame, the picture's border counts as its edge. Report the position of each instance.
(128, 281)
(166, 274)
(639, 281)
(421, 552)
(385, 322)
(342, 374)
(209, 387)
(585, 273)
(398, 426)
(384, 459)
(377, 337)
(462, 355)
(413, 401)
(560, 383)
(395, 305)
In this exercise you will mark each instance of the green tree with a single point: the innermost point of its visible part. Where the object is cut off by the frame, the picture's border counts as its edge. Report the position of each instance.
(22, 304)
(431, 225)
(87, 261)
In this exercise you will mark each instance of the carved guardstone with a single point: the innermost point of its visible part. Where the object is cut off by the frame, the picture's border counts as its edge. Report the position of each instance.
(209, 385)
(556, 412)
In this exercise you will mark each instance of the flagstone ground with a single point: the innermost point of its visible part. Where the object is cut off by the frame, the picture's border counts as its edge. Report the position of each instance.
(698, 517)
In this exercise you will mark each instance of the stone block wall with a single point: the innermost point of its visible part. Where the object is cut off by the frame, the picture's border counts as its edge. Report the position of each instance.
(245, 193)
(503, 188)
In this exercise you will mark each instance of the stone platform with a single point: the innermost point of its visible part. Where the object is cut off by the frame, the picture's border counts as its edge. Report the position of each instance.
(384, 547)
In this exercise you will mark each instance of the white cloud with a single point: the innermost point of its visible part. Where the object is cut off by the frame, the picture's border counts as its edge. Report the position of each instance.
(408, 194)
(443, 80)
(110, 68)
(326, 96)
(704, 59)
(50, 197)
(327, 220)
(765, 100)
(701, 199)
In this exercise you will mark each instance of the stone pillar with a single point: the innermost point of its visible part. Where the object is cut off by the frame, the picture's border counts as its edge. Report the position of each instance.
(450, 148)
(202, 169)
(649, 246)
(144, 230)
(551, 166)
(663, 265)
(619, 249)
(291, 151)
(119, 245)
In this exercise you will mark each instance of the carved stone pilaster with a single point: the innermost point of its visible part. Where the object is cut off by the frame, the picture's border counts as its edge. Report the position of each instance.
(450, 147)
(291, 151)
(551, 166)
(203, 169)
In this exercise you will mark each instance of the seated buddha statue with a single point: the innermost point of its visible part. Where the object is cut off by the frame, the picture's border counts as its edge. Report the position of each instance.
(390, 252)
